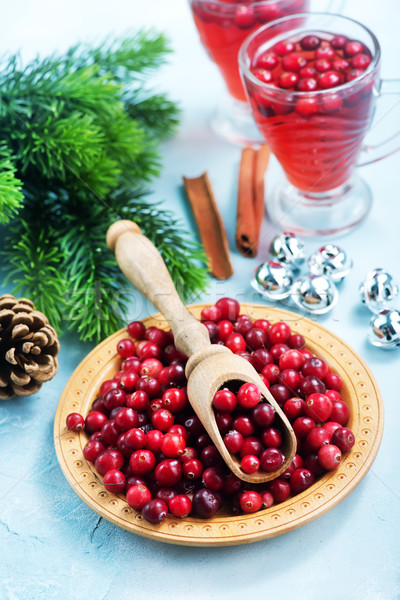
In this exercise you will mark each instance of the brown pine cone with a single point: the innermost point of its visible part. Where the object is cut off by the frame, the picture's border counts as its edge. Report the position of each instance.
(28, 348)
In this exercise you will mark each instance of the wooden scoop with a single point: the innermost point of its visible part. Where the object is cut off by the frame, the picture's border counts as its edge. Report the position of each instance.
(209, 366)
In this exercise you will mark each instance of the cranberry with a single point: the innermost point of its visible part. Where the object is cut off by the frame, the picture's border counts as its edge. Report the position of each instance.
(271, 372)
(114, 398)
(338, 42)
(136, 330)
(248, 395)
(288, 80)
(250, 463)
(325, 52)
(331, 426)
(271, 459)
(333, 395)
(193, 425)
(211, 313)
(256, 338)
(271, 437)
(210, 456)
(98, 405)
(340, 412)
(243, 324)
(108, 460)
(172, 445)
(151, 367)
(192, 468)
(213, 478)
(135, 439)
(307, 73)
(260, 358)
(315, 366)
(174, 399)
(180, 505)
(331, 103)
(311, 463)
(317, 437)
(75, 421)
(267, 61)
(110, 432)
(301, 480)
(263, 415)
(251, 445)
(250, 501)
(224, 400)
(244, 425)
(280, 490)
(323, 64)
(283, 47)
(139, 400)
(213, 331)
(293, 62)
(267, 499)
(114, 481)
(233, 441)
(236, 343)
(279, 333)
(291, 379)
(361, 61)
(126, 419)
(232, 485)
(353, 48)
(302, 426)
(92, 449)
(333, 381)
(128, 381)
(307, 106)
(310, 42)
(263, 75)
(229, 308)
(188, 454)
(206, 503)
(291, 359)
(155, 511)
(165, 494)
(224, 422)
(142, 462)
(225, 329)
(318, 407)
(277, 350)
(202, 441)
(244, 16)
(329, 79)
(329, 457)
(162, 419)
(180, 430)
(137, 496)
(94, 421)
(281, 393)
(294, 408)
(158, 336)
(126, 348)
(311, 385)
(343, 438)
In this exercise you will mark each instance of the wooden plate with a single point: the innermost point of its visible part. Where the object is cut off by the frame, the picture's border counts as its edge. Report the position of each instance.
(360, 391)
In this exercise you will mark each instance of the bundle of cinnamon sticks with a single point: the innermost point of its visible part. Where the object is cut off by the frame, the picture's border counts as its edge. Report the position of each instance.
(250, 198)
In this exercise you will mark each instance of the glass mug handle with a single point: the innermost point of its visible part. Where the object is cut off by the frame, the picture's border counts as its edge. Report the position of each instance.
(372, 152)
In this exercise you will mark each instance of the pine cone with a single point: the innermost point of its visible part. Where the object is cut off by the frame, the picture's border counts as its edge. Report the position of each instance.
(28, 348)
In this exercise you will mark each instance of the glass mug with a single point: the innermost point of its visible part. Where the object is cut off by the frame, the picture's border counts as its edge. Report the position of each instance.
(314, 105)
(223, 25)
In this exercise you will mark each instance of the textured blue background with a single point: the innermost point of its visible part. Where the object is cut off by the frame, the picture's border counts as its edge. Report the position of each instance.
(51, 544)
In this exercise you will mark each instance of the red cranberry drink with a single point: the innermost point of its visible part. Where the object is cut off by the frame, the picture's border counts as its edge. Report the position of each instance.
(312, 91)
(223, 25)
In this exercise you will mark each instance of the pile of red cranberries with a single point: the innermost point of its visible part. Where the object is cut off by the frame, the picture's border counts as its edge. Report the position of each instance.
(147, 443)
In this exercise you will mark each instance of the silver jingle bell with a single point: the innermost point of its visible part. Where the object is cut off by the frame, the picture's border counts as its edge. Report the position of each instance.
(378, 290)
(317, 294)
(273, 280)
(288, 250)
(330, 260)
(385, 329)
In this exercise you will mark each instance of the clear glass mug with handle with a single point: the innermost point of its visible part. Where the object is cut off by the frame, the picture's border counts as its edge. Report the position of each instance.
(314, 109)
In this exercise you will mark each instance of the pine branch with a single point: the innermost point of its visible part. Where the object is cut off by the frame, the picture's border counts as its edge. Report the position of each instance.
(155, 113)
(11, 197)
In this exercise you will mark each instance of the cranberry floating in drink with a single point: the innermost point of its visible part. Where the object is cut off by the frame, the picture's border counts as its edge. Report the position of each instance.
(223, 26)
(312, 81)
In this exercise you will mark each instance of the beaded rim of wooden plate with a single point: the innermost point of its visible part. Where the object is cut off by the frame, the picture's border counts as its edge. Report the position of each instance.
(360, 391)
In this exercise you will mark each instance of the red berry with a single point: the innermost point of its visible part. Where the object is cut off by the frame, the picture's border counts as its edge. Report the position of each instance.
(108, 460)
(229, 308)
(283, 47)
(142, 462)
(301, 480)
(180, 505)
(155, 511)
(244, 425)
(139, 400)
(302, 426)
(267, 499)
(267, 61)
(307, 106)
(136, 329)
(126, 419)
(126, 348)
(329, 457)
(206, 503)
(288, 80)
(235, 342)
(75, 421)
(225, 329)
(168, 472)
(192, 468)
(310, 42)
(338, 42)
(211, 313)
(317, 437)
(293, 62)
(256, 338)
(294, 408)
(153, 439)
(162, 419)
(92, 450)
(114, 398)
(271, 459)
(233, 441)
(174, 399)
(128, 381)
(332, 382)
(94, 421)
(248, 395)
(318, 407)
(250, 463)
(114, 481)
(353, 48)
(325, 52)
(263, 75)
(291, 359)
(137, 496)
(280, 490)
(172, 445)
(213, 478)
(340, 412)
(343, 438)
(271, 437)
(263, 415)
(250, 501)
(224, 400)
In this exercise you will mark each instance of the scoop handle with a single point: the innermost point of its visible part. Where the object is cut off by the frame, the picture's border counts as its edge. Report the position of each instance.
(143, 265)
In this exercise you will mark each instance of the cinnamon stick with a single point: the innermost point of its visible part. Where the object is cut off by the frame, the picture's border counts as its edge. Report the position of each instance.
(210, 225)
(250, 199)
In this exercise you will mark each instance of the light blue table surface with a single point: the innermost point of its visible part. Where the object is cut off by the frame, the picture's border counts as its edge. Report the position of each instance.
(52, 545)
